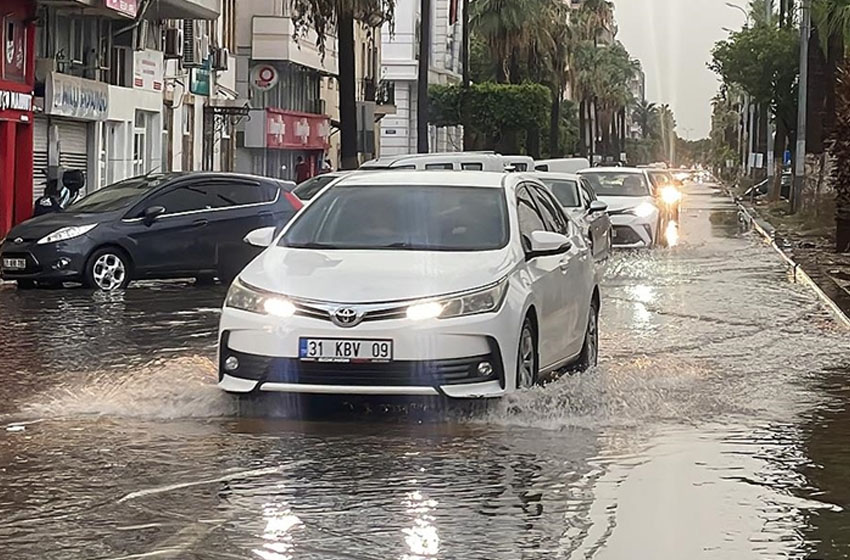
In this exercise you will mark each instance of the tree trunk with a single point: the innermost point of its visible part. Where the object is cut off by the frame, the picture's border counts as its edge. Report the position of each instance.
(532, 142)
(582, 127)
(816, 102)
(555, 125)
(347, 99)
(778, 157)
(422, 82)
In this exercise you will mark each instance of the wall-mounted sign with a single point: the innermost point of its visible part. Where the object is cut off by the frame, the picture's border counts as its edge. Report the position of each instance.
(69, 96)
(264, 77)
(199, 79)
(13, 49)
(126, 7)
(15, 100)
(288, 130)
(147, 70)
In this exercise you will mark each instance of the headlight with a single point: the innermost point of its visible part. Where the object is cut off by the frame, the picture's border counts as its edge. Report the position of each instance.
(65, 233)
(484, 300)
(670, 195)
(644, 210)
(240, 296)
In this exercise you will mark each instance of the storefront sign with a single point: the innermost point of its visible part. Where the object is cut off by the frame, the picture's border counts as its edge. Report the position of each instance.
(13, 49)
(290, 130)
(69, 96)
(264, 77)
(126, 7)
(15, 101)
(199, 79)
(147, 70)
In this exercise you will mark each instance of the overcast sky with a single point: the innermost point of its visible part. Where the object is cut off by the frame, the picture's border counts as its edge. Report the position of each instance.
(673, 40)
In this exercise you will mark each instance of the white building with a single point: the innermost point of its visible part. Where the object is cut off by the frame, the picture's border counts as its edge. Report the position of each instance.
(400, 67)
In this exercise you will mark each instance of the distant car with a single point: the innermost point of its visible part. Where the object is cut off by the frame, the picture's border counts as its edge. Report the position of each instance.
(636, 216)
(311, 187)
(580, 202)
(562, 165)
(668, 191)
(442, 283)
(168, 225)
(457, 161)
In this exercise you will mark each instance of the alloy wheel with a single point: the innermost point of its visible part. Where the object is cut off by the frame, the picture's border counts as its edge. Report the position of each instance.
(593, 338)
(109, 272)
(527, 359)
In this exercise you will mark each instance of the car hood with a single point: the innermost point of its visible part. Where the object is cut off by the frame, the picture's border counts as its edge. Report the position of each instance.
(624, 202)
(38, 227)
(347, 276)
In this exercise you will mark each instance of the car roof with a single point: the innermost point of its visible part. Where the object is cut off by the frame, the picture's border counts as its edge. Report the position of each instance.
(634, 170)
(556, 175)
(389, 160)
(491, 179)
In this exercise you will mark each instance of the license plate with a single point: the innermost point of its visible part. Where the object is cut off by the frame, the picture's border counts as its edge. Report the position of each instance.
(345, 350)
(15, 264)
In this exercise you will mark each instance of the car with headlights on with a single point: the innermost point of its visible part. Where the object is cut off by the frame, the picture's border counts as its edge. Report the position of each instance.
(413, 283)
(637, 218)
(167, 225)
(668, 191)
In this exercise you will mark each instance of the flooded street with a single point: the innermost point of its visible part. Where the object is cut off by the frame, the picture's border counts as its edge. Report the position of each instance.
(716, 426)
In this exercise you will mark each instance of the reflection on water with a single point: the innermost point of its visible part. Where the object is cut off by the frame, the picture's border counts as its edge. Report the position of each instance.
(715, 426)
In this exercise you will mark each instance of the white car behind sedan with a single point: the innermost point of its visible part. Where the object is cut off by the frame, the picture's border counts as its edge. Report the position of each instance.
(414, 283)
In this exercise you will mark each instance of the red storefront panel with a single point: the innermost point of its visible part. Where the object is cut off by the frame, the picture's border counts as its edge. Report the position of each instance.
(291, 130)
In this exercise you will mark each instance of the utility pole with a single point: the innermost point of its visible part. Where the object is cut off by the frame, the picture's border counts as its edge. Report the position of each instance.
(465, 41)
(802, 100)
(768, 4)
(422, 85)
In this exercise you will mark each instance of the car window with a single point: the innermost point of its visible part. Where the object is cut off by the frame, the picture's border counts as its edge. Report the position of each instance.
(542, 167)
(311, 187)
(119, 195)
(617, 183)
(223, 195)
(472, 166)
(587, 193)
(182, 199)
(553, 217)
(565, 190)
(530, 219)
(439, 166)
(519, 166)
(403, 217)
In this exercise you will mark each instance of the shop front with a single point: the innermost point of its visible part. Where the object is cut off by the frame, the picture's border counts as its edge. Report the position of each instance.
(16, 116)
(275, 139)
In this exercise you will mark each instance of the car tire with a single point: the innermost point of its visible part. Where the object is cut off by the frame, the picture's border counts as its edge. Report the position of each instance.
(108, 269)
(589, 356)
(26, 284)
(527, 365)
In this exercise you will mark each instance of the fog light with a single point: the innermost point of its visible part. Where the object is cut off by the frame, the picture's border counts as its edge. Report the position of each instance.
(485, 368)
(231, 363)
(62, 263)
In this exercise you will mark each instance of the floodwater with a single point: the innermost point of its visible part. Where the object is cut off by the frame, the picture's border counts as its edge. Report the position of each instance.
(717, 425)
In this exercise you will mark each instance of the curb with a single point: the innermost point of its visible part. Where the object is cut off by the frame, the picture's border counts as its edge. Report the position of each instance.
(800, 276)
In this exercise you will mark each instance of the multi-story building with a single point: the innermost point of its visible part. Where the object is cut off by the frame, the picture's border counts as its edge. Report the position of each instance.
(399, 71)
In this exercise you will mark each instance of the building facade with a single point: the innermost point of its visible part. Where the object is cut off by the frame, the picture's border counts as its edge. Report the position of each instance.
(399, 74)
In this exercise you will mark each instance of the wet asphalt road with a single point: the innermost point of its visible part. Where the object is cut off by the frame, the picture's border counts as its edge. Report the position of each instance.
(717, 426)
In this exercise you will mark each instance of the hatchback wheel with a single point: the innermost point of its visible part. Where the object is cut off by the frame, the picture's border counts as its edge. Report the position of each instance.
(526, 371)
(108, 269)
(590, 350)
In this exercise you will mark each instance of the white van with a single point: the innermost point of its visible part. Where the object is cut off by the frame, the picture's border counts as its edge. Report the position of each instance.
(459, 161)
(562, 165)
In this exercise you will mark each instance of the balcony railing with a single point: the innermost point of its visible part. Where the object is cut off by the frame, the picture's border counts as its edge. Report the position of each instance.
(385, 93)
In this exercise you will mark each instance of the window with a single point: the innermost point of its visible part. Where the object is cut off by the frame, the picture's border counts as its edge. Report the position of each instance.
(119, 195)
(12, 49)
(311, 187)
(530, 219)
(566, 191)
(587, 194)
(617, 183)
(472, 166)
(182, 199)
(238, 194)
(140, 144)
(439, 166)
(78, 38)
(552, 216)
(403, 217)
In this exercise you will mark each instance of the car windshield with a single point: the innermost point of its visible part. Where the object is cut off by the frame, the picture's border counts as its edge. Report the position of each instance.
(119, 195)
(615, 183)
(565, 190)
(411, 217)
(311, 187)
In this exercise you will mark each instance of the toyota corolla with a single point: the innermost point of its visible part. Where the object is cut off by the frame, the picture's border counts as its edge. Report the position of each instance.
(418, 283)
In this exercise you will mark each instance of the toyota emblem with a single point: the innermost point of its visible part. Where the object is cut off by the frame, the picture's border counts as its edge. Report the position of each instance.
(345, 317)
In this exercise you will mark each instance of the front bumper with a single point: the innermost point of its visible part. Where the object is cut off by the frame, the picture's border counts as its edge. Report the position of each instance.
(632, 232)
(51, 262)
(432, 357)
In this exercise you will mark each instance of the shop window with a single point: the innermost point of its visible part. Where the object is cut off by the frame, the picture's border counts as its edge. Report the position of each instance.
(139, 144)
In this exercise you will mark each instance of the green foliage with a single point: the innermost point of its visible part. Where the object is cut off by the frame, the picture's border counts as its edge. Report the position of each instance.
(490, 108)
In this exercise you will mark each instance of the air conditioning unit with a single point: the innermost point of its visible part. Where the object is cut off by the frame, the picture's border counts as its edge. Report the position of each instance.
(173, 43)
(220, 57)
(196, 43)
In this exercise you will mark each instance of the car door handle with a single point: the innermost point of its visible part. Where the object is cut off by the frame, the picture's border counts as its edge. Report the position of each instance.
(564, 265)
(265, 214)
(200, 223)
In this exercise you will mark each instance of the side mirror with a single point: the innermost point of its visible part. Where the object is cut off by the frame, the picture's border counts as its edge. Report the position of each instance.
(597, 206)
(152, 213)
(262, 237)
(546, 243)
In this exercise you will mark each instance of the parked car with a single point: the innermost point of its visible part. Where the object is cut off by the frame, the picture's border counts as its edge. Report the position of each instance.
(442, 283)
(311, 187)
(167, 225)
(458, 161)
(580, 202)
(562, 165)
(637, 218)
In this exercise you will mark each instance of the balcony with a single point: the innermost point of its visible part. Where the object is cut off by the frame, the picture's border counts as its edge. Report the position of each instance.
(161, 9)
(368, 89)
(274, 38)
(385, 98)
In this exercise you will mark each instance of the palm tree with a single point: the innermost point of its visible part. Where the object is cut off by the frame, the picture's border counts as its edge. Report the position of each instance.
(667, 124)
(840, 150)
(644, 115)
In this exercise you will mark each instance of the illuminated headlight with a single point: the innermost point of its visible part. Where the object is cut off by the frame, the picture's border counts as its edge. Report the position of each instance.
(485, 300)
(670, 195)
(66, 233)
(240, 296)
(644, 210)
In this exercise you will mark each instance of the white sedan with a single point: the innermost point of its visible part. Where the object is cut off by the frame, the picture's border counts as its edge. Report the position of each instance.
(414, 283)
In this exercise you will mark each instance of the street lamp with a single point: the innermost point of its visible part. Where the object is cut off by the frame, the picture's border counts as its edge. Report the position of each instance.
(743, 11)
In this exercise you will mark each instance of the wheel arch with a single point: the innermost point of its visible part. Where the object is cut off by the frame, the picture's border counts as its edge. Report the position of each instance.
(115, 246)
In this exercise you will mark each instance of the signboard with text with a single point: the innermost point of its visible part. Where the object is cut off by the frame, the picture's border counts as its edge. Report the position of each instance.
(69, 96)
(147, 70)
(15, 101)
(126, 7)
(292, 130)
